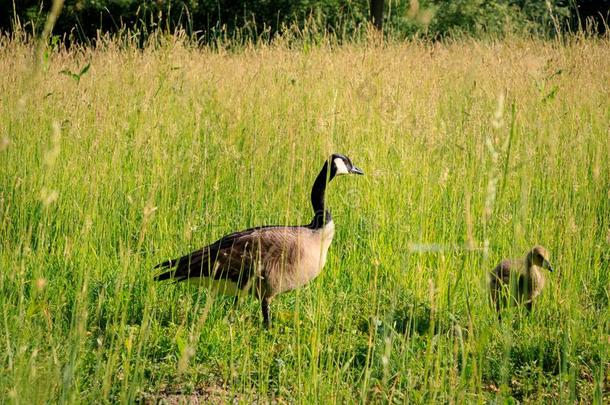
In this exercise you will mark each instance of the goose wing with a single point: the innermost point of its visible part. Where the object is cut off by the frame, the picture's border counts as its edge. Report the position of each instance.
(501, 273)
(235, 256)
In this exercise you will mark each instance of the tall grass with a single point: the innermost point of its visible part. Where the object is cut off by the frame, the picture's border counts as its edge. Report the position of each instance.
(473, 151)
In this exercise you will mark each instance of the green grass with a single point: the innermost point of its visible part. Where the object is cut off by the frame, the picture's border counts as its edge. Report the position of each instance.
(473, 151)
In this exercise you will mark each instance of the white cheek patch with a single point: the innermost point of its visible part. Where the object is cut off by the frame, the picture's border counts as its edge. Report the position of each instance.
(340, 165)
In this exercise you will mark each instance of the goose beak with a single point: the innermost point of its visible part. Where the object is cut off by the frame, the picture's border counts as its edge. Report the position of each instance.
(356, 170)
(547, 265)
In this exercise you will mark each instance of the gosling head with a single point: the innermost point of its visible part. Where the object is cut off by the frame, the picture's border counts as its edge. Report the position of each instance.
(341, 164)
(538, 256)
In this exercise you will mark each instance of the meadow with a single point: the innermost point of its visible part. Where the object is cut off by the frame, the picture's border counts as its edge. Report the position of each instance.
(472, 151)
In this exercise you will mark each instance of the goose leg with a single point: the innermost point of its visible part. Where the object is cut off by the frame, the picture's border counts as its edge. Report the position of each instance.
(265, 308)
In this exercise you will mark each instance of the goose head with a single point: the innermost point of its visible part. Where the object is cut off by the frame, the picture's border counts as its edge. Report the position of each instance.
(341, 164)
(539, 256)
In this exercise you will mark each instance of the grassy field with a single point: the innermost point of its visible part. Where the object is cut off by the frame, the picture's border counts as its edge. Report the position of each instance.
(473, 151)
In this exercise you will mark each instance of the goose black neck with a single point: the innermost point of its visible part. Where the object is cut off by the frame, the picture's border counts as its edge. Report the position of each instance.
(321, 215)
(320, 219)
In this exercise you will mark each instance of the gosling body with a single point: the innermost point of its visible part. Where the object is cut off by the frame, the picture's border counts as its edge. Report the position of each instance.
(519, 281)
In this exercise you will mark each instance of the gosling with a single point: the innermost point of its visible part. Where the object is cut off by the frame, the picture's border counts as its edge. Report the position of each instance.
(522, 277)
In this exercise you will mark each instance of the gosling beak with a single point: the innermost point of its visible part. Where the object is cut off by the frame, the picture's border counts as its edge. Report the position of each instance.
(547, 265)
(356, 170)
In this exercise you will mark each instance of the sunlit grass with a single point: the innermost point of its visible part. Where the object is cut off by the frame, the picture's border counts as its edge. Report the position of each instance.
(473, 151)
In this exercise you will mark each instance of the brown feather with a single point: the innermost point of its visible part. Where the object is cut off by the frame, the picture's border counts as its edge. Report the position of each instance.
(281, 259)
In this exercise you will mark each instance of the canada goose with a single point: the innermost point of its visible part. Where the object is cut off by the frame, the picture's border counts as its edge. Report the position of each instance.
(267, 260)
(522, 277)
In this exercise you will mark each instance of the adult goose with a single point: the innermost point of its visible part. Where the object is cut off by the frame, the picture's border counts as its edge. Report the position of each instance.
(522, 278)
(268, 260)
